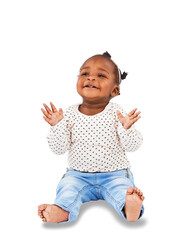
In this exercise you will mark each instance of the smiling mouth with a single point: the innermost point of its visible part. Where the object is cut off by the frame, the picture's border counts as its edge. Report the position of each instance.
(90, 87)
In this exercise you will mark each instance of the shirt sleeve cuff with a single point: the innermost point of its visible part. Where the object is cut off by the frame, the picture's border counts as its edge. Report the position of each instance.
(121, 129)
(58, 125)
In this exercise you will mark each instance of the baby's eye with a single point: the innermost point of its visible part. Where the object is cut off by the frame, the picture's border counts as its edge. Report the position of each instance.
(84, 74)
(101, 75)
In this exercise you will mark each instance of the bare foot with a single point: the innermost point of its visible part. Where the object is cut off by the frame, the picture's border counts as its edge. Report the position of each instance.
(134, 201)
(52, 213)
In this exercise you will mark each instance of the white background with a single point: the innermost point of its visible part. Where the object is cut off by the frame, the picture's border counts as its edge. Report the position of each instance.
(42, 46)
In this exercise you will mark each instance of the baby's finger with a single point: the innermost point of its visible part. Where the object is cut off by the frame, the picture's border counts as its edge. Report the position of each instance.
(132, 112)
(46, 119)
(135, 115)
(60, 111)
(47, 108)
(45, 113)
(135, 119)
(53, 107)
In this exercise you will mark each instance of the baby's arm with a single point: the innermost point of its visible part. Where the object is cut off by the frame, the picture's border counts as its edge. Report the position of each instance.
(59, 134)
(59, 139)
(131, 139)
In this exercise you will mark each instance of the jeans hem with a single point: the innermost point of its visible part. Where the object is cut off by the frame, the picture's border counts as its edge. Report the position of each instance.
(121, 213)
(71, 216)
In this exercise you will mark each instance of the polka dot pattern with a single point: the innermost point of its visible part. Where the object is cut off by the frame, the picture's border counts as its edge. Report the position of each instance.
(96, 143)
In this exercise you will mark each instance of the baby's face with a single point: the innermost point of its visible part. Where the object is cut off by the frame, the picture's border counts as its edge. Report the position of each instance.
(98, 72)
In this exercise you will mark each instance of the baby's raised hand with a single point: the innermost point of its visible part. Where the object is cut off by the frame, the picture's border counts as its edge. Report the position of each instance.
(129, 119)
(52, 116)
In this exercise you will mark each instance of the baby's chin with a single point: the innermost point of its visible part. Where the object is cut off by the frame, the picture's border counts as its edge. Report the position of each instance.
(90, 94)
(93, 95)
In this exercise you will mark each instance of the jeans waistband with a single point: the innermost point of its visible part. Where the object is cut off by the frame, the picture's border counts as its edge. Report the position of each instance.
(116, 172)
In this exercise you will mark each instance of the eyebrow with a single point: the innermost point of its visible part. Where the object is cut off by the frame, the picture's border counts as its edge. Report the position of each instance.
(98, 68)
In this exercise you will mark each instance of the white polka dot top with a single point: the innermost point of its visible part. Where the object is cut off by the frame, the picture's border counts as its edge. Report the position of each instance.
(96, 143)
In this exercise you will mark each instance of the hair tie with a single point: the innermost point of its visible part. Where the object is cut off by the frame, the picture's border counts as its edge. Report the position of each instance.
(119, 76)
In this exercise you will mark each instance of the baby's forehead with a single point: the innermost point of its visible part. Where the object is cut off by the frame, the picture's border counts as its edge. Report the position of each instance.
(100, 62)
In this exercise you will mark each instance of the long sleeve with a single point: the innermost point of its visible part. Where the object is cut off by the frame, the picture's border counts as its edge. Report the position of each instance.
(59, 137)
(131, 139)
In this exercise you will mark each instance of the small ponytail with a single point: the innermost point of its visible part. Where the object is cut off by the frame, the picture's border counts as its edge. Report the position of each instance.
(124, 75)
(106, 54)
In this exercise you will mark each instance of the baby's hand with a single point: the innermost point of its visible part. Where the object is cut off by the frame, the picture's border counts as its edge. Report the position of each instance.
(129, 119)
(52, 116)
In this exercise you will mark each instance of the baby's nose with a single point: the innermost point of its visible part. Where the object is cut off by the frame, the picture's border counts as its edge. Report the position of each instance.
(92, 78)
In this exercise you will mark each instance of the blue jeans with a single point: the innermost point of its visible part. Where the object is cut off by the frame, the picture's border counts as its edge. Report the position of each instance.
(76, 188)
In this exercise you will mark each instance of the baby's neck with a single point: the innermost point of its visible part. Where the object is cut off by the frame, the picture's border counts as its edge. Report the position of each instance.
(91, 108)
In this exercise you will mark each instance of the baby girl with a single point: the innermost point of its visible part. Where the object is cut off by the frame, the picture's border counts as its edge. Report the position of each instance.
(97, 133)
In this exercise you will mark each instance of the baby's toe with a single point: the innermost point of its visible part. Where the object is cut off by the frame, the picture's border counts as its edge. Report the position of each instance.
(130, 190)
(42, 207)
(142, 198)
(135, 189)
(138, 191)
(39, 213)
(140, 194)
(44, 219)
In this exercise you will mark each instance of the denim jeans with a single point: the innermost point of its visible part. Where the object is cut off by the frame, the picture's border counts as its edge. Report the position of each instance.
(76, 188)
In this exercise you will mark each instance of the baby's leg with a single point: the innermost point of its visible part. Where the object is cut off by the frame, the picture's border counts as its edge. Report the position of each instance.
(74, 189)
(52, 213)
(133, 205)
